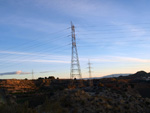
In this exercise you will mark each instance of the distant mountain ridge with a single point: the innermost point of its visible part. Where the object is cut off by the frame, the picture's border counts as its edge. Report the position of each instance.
(137, 75)
(116, 75)
(111, 76)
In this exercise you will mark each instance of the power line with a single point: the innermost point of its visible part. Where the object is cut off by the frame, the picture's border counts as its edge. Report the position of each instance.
(25, 60)
(39, 45)
(34, 46)
(111, 25)
(34, 40)
(52, 49)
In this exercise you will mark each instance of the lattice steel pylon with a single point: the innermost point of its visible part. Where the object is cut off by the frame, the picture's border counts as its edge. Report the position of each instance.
(32, 75)
(90, 74)
(75, 66)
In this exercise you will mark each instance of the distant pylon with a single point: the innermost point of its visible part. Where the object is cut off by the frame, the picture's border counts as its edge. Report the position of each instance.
(75, 66)
(90, 74)
(32, 75)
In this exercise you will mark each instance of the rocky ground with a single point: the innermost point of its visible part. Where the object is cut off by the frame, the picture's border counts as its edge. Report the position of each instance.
(86, 100)
(98, 100)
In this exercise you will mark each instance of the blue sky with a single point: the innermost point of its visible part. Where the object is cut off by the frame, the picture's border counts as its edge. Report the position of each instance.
(35, 35)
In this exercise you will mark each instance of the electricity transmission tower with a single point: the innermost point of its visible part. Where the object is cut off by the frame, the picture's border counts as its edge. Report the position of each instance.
(75, 66)
(32, 75)
(90, 74)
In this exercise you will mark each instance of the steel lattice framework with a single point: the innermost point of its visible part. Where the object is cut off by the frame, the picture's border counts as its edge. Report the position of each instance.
(90, 74)
(75, 66)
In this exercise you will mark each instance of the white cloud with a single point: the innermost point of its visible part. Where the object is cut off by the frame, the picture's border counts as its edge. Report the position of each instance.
(34, 23)
(84, 8)
(117, 59)
(131, 29)
(33, 54)
(130, 59)
(135, 30)
(34, 57)
(47, 58)
(46, 61)
(35, 60)
(16, 53)
(14, 73)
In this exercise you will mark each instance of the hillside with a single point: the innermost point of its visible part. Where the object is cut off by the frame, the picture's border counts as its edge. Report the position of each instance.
(126, 94)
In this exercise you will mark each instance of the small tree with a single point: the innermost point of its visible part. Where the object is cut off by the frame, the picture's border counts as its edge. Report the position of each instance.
(51, 77)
